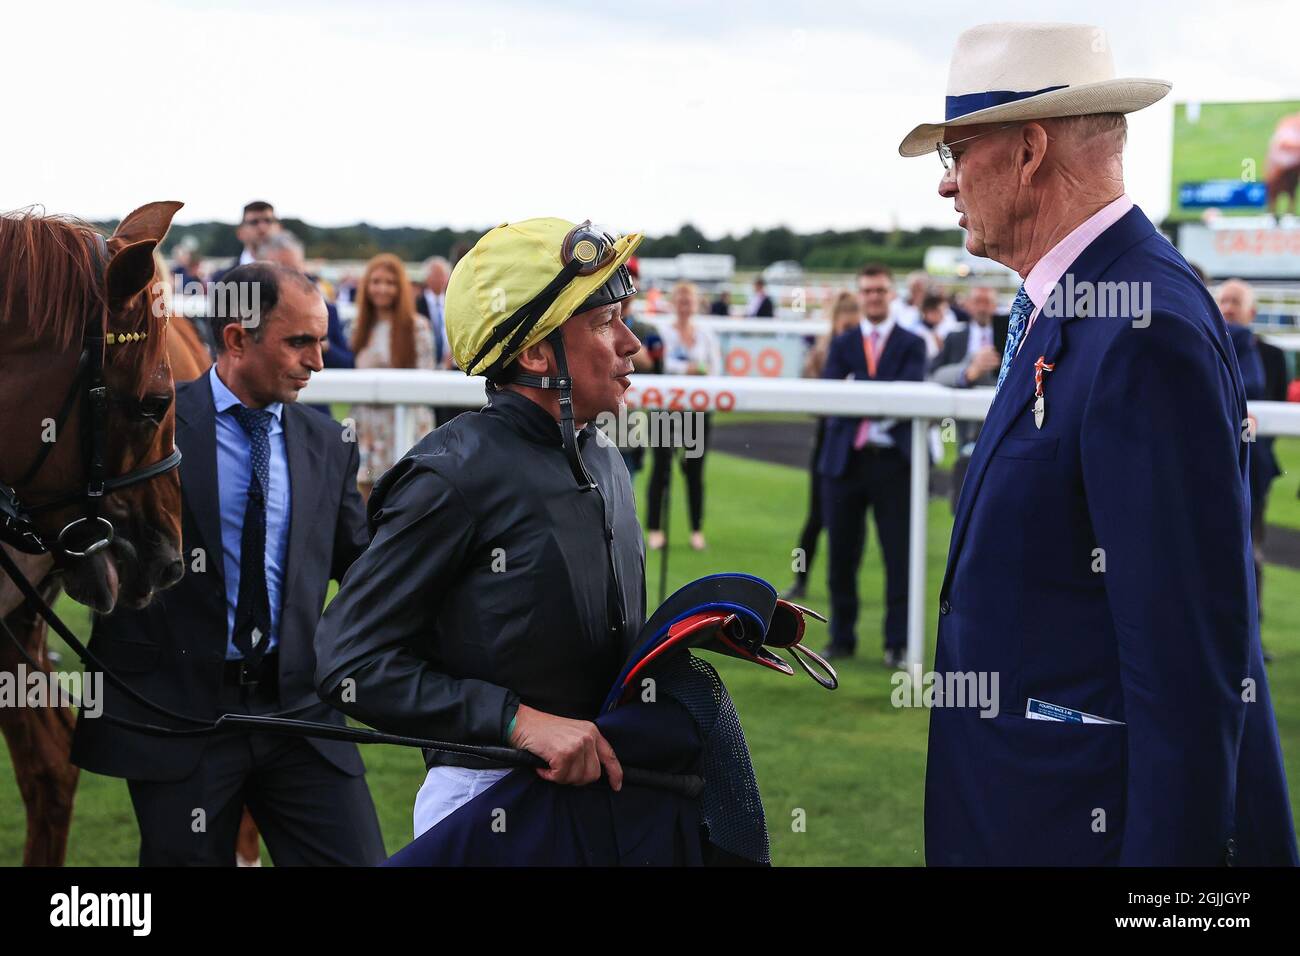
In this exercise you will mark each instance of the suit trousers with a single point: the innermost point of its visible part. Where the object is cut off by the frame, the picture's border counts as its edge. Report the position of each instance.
(309, 812)
(878, 479)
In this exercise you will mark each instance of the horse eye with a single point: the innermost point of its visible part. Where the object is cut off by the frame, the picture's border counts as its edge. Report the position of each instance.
(154, 407)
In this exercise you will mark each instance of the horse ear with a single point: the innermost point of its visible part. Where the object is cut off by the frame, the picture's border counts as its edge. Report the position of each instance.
(131, 268)
(150, 221)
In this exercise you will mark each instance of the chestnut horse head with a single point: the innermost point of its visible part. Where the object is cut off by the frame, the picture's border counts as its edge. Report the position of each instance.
(71, 303)
(1282, 168)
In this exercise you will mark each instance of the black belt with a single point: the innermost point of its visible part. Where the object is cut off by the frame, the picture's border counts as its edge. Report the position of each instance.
(265, 672)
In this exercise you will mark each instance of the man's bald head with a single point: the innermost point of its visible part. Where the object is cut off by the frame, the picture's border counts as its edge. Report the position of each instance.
(1237, 302)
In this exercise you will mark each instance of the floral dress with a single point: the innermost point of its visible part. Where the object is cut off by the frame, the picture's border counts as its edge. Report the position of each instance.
(377, 440)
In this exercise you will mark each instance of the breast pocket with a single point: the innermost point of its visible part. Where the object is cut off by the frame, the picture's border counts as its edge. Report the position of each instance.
(1031, 449)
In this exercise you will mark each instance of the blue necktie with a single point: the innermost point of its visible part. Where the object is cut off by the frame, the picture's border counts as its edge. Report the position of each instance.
(1021, 309)
(253, 608)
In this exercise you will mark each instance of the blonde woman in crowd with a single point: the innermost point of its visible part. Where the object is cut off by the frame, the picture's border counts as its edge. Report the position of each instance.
(688, 350)
(387, 334)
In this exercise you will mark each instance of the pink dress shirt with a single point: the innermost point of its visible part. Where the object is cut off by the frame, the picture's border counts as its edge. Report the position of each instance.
(1049, 269)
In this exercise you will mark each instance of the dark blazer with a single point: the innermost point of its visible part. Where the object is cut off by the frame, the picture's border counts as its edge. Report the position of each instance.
(1264, 466)
(173, 651)
(1140, 455)
(952, 361)
(339, 354)
(953, 350)
(902, 360)
(422, 307)
(1276, 378)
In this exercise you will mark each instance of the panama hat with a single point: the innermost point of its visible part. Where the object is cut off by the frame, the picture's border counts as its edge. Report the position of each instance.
(1004, 72)
(510, 267)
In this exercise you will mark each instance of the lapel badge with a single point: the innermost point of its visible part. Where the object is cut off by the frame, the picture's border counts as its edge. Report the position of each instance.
(1040, 407)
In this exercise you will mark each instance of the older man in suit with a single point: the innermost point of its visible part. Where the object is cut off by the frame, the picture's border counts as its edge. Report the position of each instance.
(866, 463)
(1100, 563)
(271, 513)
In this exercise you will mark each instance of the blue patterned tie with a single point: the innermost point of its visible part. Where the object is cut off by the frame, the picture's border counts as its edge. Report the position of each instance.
(1021, 309)
(253, 607)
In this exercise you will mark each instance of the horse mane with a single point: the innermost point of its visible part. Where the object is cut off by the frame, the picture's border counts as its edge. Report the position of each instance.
(52, 282)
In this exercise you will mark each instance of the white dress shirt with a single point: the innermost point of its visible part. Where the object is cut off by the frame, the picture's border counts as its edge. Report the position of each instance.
(446, 789)
(981, 337)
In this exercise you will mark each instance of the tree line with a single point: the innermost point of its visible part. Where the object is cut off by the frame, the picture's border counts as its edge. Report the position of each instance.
(829, 250)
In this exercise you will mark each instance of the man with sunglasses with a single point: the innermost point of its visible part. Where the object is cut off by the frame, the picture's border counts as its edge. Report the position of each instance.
(1100, 562)
(504, 584)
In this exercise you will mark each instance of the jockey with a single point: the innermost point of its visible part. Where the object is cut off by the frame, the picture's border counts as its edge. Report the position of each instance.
(504, 583)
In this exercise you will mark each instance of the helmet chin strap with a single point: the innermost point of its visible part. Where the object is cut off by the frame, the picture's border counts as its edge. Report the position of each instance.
(562, 383)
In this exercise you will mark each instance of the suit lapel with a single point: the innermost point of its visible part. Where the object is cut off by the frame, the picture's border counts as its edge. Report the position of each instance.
(196, 437)
(858, 358)
(305, 469)
(1047, 338)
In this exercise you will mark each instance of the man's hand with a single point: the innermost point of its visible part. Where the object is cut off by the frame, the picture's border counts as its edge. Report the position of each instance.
(984, 361)
(574, 749)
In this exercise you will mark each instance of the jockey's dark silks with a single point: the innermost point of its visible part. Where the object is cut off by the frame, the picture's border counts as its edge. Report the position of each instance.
(492, 579)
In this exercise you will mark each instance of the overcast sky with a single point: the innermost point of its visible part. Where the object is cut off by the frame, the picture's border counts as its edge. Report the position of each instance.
(642, 116)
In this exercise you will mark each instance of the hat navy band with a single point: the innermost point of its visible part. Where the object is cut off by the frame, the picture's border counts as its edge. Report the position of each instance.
(958, 106)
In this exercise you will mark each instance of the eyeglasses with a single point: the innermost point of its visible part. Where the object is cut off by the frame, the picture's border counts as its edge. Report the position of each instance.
(945, 149)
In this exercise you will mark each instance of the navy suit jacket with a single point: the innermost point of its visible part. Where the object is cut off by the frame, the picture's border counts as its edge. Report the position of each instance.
(1139, 469)
(173, 651)
(339, 354)
(901, 360)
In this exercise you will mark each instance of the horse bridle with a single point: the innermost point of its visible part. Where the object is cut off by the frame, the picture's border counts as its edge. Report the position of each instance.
(17, 524)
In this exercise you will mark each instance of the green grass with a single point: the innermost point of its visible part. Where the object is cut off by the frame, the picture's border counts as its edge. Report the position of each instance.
(1283, 503)
(852, 763)
(1222, 144)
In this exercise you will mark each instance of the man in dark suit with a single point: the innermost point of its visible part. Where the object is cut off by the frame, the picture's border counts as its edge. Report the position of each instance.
(1259, 375)
(866, 463)
(271, 514)
(430, 302)
(969, 358)
(760, 303)
(1100, 565)
(257, 224)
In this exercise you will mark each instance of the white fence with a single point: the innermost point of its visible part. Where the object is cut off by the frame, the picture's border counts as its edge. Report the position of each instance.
(923, 402)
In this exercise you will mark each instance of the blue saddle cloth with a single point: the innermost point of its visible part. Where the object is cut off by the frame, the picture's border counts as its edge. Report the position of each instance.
(690, 727)
(523, 820)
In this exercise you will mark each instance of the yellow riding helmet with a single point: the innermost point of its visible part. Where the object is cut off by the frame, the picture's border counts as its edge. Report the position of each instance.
(518, 270)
